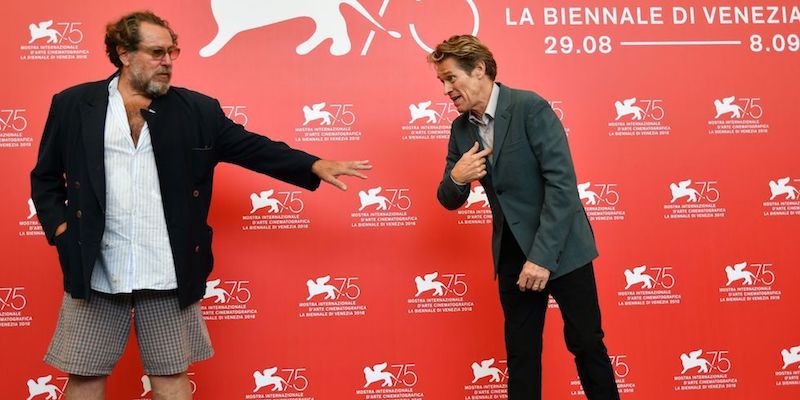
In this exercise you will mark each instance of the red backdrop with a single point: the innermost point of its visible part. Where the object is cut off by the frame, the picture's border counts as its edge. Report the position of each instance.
(681, 118)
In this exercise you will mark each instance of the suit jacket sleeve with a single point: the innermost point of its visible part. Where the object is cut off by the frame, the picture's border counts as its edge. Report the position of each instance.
(450, 195)
(258, 153)
(48, 184)
(561, 201)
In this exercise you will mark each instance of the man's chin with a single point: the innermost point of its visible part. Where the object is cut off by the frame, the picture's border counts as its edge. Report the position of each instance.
(157, 90)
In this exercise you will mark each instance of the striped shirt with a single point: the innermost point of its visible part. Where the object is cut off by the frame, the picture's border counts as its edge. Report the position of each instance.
(135, 252)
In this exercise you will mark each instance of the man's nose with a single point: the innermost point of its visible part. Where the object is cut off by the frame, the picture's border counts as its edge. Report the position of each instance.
(447, 88)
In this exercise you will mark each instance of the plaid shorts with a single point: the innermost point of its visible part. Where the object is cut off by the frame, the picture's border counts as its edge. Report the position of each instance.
(91, 335)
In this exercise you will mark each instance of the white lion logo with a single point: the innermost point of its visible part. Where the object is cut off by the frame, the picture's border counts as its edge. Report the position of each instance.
(235, 16)
(421, 110)
(31, 209)
(693, 360)
(637, 276)
(591, 197)
(477, 195)
(43, 30)
(320, 286)
(738, 272)
(485, 369)
(213, 291)
(627, 107)
(428, 283)
(790, 356)
(146, 386)
(782, 187)
(371, 197)
(682, 189)
(377, 374)
(42, 386)
(267, 378)
(263, 200)
(726, 106)
(316, 112)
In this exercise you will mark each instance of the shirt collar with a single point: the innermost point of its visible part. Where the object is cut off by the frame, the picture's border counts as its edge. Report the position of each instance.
(491, 108)
(113, 87)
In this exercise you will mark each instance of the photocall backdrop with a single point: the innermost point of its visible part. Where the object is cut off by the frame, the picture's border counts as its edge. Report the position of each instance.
(682, 121)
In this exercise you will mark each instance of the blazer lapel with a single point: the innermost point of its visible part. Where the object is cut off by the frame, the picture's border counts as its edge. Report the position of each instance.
(166, 133)
(468, 130)
(501, 121)
(167, 130)
(93, 125)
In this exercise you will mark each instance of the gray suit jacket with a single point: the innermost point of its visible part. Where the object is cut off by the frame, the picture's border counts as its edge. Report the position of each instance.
(531, 184)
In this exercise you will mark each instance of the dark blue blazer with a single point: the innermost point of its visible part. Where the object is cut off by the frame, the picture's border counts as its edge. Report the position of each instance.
(190, 135)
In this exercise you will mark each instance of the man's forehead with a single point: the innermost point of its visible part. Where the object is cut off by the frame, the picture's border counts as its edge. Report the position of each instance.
(447, 66)
(154, 34)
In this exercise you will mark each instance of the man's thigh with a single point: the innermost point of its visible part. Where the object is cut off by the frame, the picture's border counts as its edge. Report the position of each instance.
(90, 336)
(170, 338)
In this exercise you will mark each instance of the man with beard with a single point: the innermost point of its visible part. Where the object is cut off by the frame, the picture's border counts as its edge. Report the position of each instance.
(512, 142)
(122, 186)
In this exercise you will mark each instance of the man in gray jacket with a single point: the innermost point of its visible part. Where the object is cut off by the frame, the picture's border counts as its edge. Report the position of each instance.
(512, 142)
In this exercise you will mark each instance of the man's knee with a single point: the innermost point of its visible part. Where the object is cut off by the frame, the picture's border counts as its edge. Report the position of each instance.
(81, 387)
(171, 387)
(583, 343)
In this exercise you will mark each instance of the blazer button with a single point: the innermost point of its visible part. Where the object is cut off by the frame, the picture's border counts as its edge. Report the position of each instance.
(197, 248)
(196, 193)
(78, 214)
(77, 185)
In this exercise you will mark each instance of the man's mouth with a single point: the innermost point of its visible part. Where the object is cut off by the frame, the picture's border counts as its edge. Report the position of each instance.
(455, 98)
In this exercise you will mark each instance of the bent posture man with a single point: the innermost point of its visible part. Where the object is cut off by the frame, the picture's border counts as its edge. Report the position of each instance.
(512, 142)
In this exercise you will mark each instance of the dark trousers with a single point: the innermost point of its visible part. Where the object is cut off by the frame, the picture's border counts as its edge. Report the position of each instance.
(576, 295)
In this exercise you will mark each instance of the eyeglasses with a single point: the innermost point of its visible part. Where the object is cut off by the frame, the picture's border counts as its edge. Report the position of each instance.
(158, 53)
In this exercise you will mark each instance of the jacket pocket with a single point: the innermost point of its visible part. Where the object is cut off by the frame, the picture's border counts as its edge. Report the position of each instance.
(63, 249)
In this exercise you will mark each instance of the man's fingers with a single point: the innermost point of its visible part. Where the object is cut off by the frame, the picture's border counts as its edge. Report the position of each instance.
(524, 282)
(360, 164)
(473, 149)
(335, 182)
(484, 152)
(355, 166)
(356, 174)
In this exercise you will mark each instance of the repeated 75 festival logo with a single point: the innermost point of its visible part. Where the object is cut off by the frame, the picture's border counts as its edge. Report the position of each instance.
(54, 40)
(637, 116)
(705, 370)
(389, 381)
(12, 308)
(228, 300)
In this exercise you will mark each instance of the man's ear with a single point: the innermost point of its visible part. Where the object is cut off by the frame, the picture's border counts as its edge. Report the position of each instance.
(480, 69)
(124, 56)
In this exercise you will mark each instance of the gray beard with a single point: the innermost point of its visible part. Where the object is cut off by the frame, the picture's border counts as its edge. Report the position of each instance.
(148, 87)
